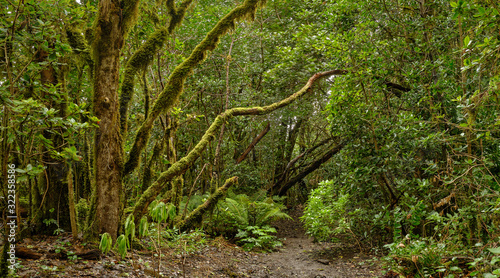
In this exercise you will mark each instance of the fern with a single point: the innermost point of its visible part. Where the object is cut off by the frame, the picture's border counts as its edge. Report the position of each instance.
(238, 212)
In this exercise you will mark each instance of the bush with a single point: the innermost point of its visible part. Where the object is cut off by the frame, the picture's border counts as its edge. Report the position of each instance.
(325, 214)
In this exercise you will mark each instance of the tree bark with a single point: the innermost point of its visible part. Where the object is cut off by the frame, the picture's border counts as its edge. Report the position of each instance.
(282, 189)
(284, 176)
(108, 165)
(255, 141)
(53, 181)
(195, 217)
(175, 84)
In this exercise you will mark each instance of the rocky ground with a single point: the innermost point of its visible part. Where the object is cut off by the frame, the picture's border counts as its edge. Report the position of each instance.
(299, 257)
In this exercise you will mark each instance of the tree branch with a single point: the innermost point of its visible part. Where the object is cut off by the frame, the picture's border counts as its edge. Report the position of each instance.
(255, 141)
(175, 82)
(309, 169)
(145, 54)
(184, 163)
(196, 215)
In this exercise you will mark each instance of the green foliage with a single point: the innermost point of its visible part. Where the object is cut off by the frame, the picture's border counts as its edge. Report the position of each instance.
(106, 243)
(161, 212)
(248, 218)
(143, 226)
(51, 221)
(122, 244)
(129, 230)
(186, 242)
(325, 214)
(240, 211)
(194, 202)
(421, 168)
(258, 237)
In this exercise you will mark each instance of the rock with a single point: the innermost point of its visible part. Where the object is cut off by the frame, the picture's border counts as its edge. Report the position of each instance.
(322, 261)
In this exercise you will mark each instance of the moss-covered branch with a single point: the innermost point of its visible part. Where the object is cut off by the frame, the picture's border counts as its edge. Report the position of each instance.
(195, 217)
(176, 80)
(184, 163)
(80, 47)
(144, 55)
(130, 11)
(139, 61)
(176, 15)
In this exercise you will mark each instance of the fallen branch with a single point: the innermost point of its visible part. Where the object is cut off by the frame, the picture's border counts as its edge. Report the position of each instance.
(281, 190)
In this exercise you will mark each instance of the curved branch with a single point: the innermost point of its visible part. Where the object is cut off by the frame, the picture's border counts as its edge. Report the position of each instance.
(184, 163)
(176, 80)
(144, 55)
(139, 61)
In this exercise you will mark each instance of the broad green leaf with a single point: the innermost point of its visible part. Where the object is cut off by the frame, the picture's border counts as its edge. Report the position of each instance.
(495, 251)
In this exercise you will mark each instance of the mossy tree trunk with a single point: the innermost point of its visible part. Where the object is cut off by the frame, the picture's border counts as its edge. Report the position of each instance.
(114, 20)
(111, 27)
(194, 219)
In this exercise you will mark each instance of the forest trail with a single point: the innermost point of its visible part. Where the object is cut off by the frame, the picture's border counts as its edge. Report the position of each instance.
(301, 257)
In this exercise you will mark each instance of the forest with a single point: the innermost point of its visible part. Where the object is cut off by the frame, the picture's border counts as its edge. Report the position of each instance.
(147, 138)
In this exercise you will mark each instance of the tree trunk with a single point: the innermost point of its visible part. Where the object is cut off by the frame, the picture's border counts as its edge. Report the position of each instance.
(195, 217)
(108, 142)
(184, 163)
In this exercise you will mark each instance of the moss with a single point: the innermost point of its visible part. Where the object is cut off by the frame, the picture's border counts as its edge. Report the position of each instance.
(144, 55)
(175, 83)
(130, 12)
(82, 211)
(182, 165)
(79, 44)
(196, 216)
(139, 61)
(176, 15)
(177, 185)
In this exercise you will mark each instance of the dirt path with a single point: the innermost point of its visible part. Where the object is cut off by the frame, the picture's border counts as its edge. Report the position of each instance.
(301, 257)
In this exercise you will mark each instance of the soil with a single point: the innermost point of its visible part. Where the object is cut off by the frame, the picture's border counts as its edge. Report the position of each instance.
(299, 257)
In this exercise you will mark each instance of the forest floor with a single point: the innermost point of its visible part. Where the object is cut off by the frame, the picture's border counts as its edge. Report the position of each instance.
(299, 257)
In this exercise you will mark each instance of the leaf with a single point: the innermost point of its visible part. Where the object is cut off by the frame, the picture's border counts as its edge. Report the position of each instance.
(495, 251)
(467, 41)
(105, 244)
